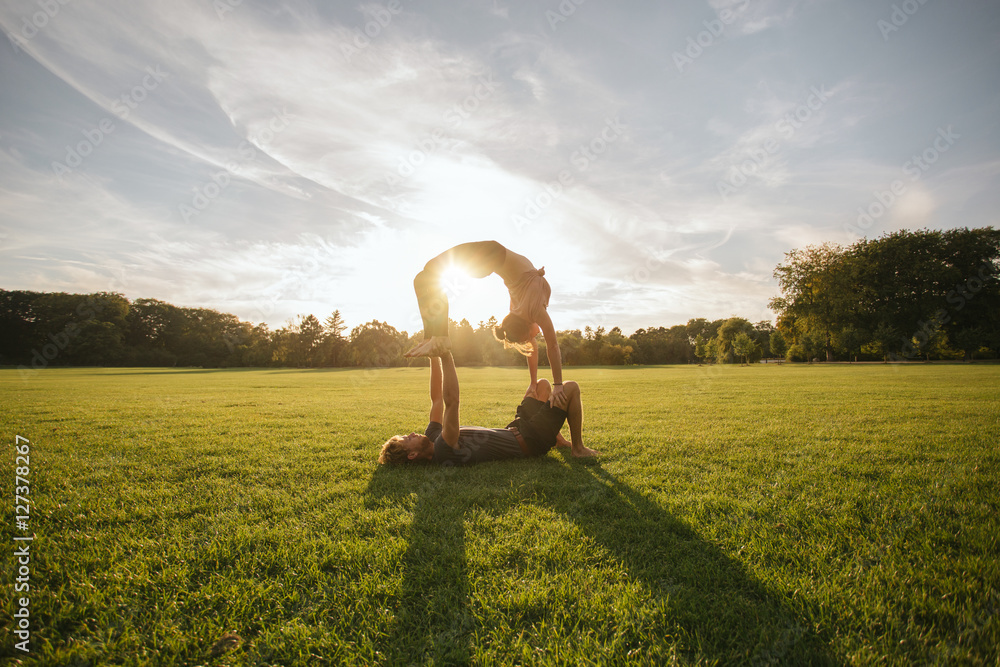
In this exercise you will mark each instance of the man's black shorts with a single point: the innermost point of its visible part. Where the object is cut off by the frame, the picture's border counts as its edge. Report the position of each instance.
(539, 424)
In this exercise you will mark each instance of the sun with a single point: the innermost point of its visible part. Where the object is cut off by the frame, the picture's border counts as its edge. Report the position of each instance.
(472, 299)
(455, 279)
(388, 294)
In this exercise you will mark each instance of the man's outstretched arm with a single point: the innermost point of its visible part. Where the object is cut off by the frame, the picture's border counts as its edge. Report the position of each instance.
(437, 394)
(450, 395)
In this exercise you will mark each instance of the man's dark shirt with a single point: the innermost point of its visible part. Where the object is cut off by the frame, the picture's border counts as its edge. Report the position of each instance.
(475, 445)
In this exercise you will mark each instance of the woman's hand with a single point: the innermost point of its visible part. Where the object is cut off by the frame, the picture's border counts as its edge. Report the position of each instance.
(532, 390)
(558, 399)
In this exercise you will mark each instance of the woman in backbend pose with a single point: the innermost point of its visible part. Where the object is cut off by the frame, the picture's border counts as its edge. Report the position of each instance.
(529, 300)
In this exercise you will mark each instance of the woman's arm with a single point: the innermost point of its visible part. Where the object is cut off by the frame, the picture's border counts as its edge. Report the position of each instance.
(552, 348)
(533, 364)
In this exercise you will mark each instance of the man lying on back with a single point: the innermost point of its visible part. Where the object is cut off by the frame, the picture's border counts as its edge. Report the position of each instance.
(534, 431)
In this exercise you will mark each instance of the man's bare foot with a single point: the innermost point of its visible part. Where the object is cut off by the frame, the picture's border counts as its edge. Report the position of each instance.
(432, 347)
(562, 442)
(585, 451)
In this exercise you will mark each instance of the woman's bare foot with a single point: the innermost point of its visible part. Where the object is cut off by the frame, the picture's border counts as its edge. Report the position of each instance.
(432, 347)
(420, 350)
(442, 344)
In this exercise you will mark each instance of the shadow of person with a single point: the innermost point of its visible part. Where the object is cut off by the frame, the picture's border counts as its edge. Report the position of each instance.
(719, 610)
(713, 608)
(431, 619)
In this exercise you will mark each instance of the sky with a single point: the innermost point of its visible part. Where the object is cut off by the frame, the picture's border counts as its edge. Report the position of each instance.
(276, 159)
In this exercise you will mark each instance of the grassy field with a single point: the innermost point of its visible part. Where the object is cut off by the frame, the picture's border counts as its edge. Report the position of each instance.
(739, 515)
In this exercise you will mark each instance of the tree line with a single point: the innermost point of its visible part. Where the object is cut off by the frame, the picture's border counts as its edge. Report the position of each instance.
(42, 329)
(907, 295)
(925, 294)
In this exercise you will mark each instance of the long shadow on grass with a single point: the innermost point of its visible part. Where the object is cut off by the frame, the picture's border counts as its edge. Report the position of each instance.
(718, 611)
(721, 611)
(431, 619)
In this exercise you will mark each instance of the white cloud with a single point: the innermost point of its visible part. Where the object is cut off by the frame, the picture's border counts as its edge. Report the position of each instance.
(368, 160)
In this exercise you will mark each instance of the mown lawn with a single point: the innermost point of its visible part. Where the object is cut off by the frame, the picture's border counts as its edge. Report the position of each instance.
(759, 515)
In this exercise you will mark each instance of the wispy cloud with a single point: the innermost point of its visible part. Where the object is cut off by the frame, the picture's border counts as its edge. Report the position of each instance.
(275, 159)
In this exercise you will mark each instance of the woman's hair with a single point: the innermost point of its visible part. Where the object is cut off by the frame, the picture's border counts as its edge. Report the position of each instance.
(514, 332)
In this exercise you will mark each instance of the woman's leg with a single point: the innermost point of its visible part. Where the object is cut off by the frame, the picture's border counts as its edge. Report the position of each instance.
(433, 304)
(478, 259)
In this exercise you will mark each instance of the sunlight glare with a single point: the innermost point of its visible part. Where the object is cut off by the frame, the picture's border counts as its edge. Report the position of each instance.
(474, 299)
(454, 279)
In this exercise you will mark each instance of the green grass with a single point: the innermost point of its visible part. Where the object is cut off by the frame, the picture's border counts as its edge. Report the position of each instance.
(759, 515)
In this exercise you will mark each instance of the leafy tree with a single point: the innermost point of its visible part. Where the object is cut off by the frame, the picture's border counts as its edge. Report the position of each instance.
(701, 348)
(971, 340)
(930, 339)
(702, 327)
(731, 328)
(778, 344)
(571, 346)
(593, 341)
(463, 344)
(615, 355)
(377, 344)
(94, 325)
(615, 337)
(885, 341)
(206, 337)
(797, 352)
(491, 351)
(308, 339)
(97, 344)
(17, 326)
(924, 285)
(849, 340)
(660, 345)
(333, 341)
(814, 342)
(816, 283)
(744, 346)
(762, 335)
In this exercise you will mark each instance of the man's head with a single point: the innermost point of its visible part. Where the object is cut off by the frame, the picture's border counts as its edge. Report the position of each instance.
(411, 448)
